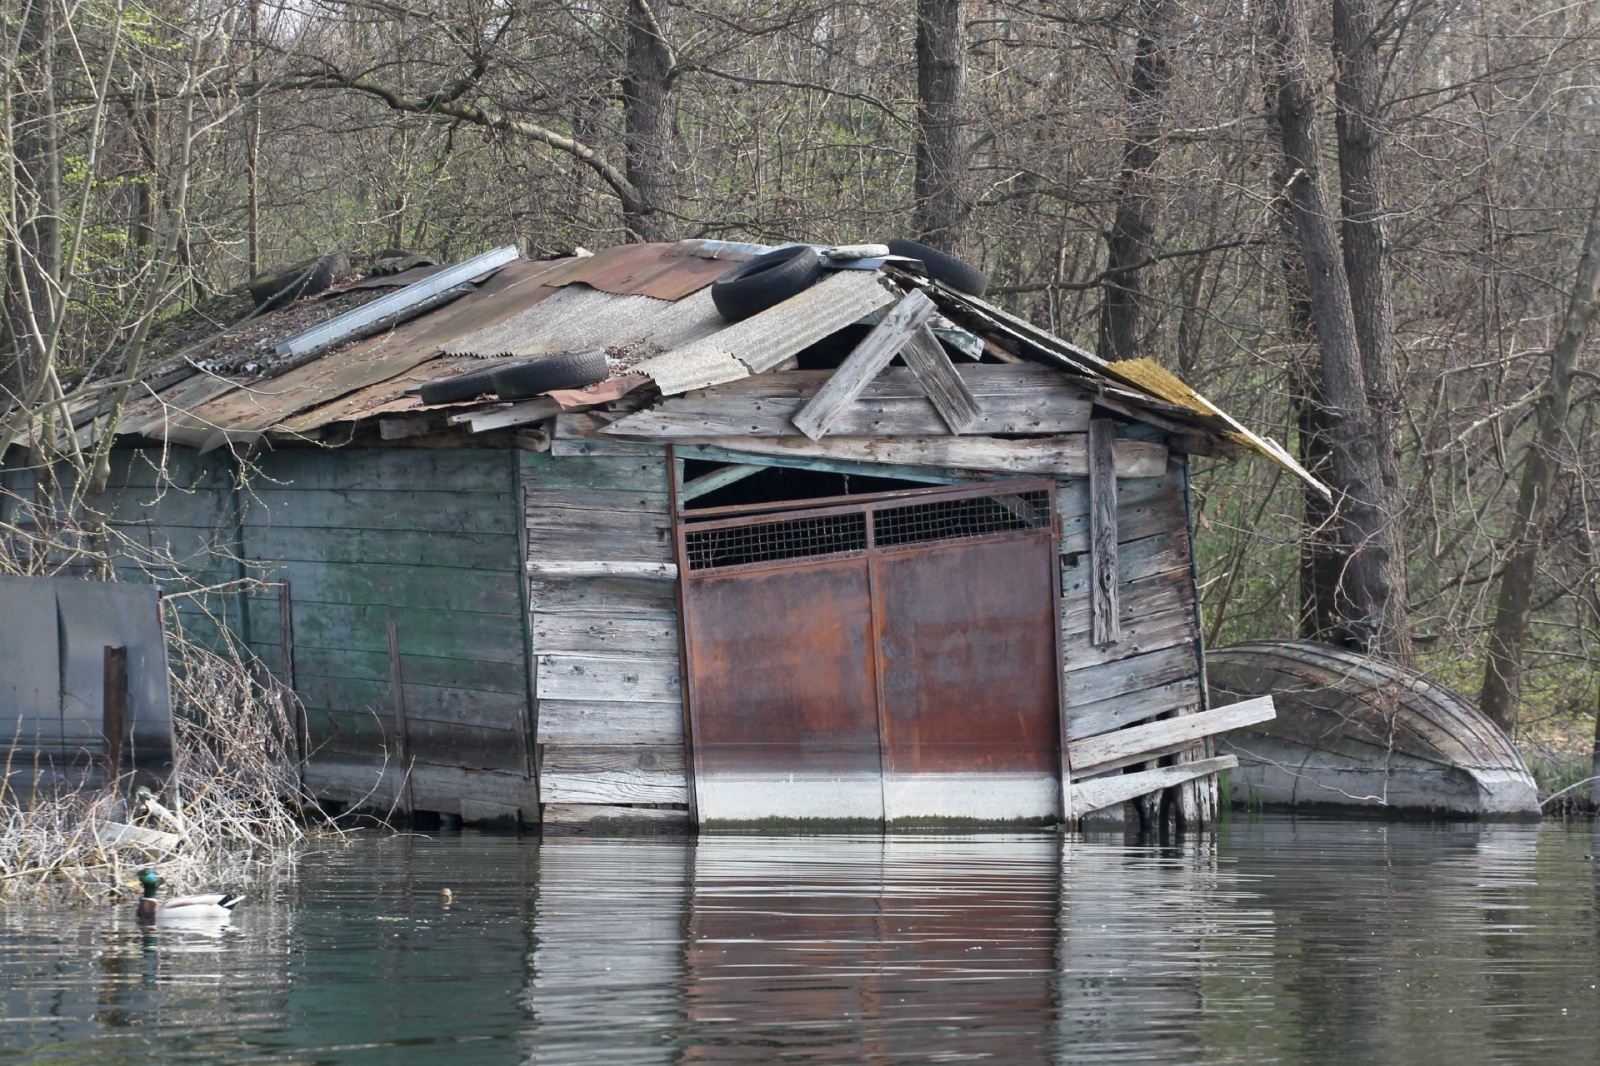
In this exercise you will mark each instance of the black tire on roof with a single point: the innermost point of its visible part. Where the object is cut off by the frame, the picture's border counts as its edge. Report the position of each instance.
(765, 281)
(941, 266)
(570, 371)
(461, 387)
(272, 290)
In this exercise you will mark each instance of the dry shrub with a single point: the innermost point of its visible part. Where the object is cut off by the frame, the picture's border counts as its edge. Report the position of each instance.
(234, 801)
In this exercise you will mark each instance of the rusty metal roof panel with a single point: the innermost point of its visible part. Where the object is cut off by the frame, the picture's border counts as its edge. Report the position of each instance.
(245, 409)
(659, 271)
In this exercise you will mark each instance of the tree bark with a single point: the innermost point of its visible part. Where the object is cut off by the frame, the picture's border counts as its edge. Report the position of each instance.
(1502, 677)
(33, 259)
(1365, 601)
(1131, 241)
(1363, 175)
(647, 122)
(941, 153)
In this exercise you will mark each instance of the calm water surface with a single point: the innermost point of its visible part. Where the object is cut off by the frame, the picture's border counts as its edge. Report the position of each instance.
(1282, 942)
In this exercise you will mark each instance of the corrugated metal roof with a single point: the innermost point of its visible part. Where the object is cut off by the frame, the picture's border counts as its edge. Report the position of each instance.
(642, 270)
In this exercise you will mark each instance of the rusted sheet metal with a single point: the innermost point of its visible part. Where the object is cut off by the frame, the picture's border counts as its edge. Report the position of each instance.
(580, 317)
(887, 658)
(362, 378)
(785, 709)
(969, 679)
(642, 270)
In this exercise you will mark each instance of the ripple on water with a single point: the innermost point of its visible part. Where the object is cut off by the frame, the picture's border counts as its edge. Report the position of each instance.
(1282, 941)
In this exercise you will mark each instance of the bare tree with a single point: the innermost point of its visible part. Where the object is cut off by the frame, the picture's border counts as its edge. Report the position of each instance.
(939, 208)
(647, 120)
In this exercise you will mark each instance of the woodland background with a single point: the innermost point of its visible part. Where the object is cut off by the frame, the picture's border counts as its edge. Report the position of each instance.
(1366, 228)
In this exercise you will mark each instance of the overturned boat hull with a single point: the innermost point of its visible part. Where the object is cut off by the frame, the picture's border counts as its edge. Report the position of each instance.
(1354, 732)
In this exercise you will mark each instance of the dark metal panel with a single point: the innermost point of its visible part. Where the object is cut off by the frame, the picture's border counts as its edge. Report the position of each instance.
(30, 658)
(97, 614)
(642, 270)
(784, 717)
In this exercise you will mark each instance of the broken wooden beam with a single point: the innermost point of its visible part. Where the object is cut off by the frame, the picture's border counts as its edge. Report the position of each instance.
(1103, 531)
(1140, 743)
(717, 479)
(1105, 792)
(934, 371)
(863, 364)
(1067, 454)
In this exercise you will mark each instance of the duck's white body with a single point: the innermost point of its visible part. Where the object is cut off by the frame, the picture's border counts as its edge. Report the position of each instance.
(217, 907)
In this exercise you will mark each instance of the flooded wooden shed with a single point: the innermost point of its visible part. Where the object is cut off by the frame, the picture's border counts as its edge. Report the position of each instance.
(879, 553)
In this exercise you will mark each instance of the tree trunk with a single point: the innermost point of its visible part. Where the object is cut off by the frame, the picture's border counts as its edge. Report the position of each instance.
(1131, 241)
(647, 123)
(1365, 601)
(941, 153)
(1502, 677)
(33, 259)
(1363, 193)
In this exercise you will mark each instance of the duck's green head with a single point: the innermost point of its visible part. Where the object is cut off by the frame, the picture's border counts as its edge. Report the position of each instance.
(149, 879)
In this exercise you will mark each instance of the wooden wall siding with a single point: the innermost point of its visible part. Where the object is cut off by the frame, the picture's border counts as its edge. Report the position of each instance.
(1153, 668)
(606, 647)
(183, 535)
(428, 538)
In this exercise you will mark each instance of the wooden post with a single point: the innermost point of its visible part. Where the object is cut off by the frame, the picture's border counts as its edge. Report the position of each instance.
(1103, 531)
(114, 722)
(398, 697)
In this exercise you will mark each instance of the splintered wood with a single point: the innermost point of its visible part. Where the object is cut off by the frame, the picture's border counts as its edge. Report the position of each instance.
(1103, 529)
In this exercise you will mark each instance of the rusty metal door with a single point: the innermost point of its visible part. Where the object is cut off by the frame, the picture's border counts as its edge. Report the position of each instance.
(889, 658)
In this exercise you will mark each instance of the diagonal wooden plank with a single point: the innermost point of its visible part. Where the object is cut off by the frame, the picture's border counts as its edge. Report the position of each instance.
(1105, 792)
(1140, 743)
(934, 371)
(863, 364)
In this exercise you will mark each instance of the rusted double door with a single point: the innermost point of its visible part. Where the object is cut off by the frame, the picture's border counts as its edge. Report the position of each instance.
(887, 659)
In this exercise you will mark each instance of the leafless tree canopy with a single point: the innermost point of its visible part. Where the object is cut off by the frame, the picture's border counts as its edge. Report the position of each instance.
(1355, 223)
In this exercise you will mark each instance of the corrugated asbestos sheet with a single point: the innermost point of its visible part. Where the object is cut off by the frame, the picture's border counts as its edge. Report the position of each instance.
(580, 317)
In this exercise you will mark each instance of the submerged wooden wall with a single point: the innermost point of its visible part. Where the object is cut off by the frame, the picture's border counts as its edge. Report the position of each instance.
(1155, 667)
(604, 621)
(425, 540)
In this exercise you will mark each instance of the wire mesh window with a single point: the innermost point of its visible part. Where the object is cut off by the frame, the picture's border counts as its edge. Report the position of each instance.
(969, 516)
(768, 541)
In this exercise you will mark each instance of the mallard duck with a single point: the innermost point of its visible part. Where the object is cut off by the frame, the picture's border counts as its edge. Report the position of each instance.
(214, 907)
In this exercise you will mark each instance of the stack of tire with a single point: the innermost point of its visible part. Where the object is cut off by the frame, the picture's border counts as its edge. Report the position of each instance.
(768, 280)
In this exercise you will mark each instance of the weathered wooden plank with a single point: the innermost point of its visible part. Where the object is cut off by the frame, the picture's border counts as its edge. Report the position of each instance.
(445, 634)
(540, 498)
(1103, 532)
(637, 597)
(609, 818)
(436, 788)
(438, 587)
(1144, 596)
(579, 722)
(625, 568)
(925, 357)
(550, 538)
(433, 511)
(1134, 674)
(864, 363)
(430, 703)
(367, 735)
(1142, 632)
(1092, 719)
(423, 670)
(898, 383)
(1136, 560)
(576, 677)
(468, 551)
(717, 479)
(1145, 507)
(609, 775)
(1141, 743)
(388, 469)
(1048, 412)
(616, 473)
(926, 474)
(651, 526)
(517, 414)
(562, 447)
(1108, 791)
(646, 638)
(1041, 455)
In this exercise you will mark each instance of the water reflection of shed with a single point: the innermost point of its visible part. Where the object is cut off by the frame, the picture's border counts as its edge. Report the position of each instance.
(881, 553)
